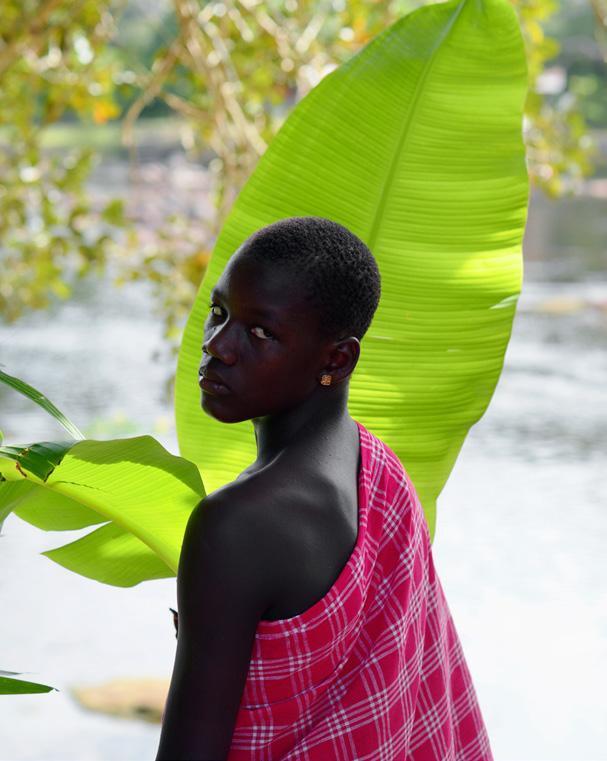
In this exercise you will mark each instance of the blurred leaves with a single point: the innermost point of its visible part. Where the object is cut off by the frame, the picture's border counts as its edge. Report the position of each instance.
(231, 71)
(56, 53)
(560, 151)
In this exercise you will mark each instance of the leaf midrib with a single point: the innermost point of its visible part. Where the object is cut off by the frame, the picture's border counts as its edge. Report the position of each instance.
(116, 519)
(387, 185)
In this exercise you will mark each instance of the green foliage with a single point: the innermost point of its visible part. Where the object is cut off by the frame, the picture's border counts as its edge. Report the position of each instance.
(559, 150)
(450, 255)
(50, 234)
(231, 72)
(40, 459)
(10, 686)
(415, 145)
(581, 27)
(140, 493)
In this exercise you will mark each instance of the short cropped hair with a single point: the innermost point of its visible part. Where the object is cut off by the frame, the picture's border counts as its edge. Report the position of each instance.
(338, 272)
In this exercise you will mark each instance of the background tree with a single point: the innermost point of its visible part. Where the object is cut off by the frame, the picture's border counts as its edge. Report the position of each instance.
(230, 71)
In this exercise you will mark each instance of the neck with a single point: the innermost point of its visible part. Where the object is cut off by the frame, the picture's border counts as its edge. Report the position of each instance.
(321, 415)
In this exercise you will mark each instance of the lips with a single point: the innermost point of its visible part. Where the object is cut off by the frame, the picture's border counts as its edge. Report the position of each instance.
(211, 381)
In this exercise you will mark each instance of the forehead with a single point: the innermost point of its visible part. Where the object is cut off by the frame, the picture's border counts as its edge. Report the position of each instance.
(248, 283)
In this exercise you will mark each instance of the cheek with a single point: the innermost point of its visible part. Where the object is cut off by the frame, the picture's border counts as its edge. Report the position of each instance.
(281, 377)
(300, 380)
(270, 390)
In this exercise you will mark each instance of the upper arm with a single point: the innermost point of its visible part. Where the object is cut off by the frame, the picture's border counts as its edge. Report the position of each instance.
(223, 588)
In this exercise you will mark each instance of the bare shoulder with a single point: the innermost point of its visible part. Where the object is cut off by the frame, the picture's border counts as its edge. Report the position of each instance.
(231, 516)
(276, 513)
(261, 503)
(240, 524)
(242, 507)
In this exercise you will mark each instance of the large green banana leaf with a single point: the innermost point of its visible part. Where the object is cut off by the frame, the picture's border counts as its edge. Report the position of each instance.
(415, 144)
(142, 494)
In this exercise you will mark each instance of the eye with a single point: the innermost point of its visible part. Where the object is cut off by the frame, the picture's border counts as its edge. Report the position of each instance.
(256, 327)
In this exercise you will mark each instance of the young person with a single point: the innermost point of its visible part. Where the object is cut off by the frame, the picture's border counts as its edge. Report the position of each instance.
(312, 625)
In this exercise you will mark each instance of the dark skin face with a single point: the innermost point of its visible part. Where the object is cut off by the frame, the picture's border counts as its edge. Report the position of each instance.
(272, 365)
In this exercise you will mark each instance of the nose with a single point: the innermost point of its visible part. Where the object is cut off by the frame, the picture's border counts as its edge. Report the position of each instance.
(219, 344)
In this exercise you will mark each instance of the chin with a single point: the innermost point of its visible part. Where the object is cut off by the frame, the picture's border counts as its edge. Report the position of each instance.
(214, 407)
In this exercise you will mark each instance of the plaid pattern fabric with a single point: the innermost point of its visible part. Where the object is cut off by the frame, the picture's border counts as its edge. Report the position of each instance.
(374, 671)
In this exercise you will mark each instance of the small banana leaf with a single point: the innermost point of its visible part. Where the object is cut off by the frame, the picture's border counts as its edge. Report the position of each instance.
(415, 144)
(9, 686)
(141, 494)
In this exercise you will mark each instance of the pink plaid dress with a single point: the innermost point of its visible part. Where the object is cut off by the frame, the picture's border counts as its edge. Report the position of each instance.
(374, 670)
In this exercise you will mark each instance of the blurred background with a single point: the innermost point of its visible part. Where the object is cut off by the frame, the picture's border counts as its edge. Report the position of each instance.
(127, 130)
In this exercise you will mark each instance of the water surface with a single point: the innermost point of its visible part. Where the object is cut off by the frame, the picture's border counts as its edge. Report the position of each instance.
(520, 537)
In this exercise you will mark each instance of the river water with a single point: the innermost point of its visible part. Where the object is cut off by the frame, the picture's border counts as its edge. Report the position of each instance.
(521, 530)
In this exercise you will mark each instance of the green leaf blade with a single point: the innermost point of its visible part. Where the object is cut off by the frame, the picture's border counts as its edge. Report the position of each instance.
(44, 508)
(39, 459)
(415, 145)
(36, 396)
(21, 687)
(111, 555)
(143, 494)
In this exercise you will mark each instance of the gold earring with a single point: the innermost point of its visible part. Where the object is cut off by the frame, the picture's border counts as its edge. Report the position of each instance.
(325, 380)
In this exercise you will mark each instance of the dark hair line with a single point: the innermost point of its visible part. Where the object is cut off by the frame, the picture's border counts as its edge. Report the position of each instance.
(338, 272)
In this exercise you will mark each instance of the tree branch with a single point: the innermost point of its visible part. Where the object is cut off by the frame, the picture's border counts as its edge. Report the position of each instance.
(160, 71)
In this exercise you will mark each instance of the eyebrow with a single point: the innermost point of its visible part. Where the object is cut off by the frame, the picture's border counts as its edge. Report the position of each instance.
(265, 313)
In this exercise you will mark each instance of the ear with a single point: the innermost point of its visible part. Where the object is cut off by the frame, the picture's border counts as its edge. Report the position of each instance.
(343, 358)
